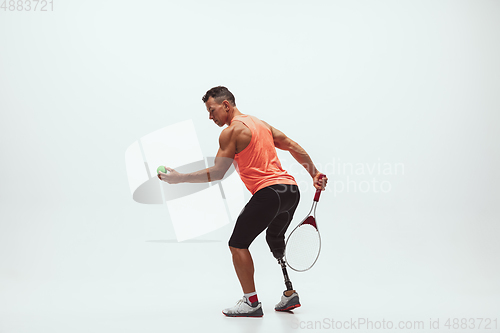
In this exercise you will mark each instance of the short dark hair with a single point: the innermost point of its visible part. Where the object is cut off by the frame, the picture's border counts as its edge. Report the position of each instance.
(219, 94)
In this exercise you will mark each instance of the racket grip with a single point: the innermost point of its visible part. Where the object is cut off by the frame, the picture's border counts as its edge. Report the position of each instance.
(318, 192)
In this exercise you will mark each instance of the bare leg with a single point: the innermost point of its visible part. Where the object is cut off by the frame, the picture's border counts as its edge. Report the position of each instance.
(243, 265)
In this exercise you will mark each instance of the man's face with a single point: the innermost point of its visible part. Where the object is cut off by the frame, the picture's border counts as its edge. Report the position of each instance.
(216, 112)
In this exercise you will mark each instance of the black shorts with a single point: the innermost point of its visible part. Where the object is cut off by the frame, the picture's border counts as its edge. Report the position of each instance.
(271, 207)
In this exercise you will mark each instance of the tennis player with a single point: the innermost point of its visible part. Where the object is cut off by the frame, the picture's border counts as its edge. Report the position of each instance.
(249, 143)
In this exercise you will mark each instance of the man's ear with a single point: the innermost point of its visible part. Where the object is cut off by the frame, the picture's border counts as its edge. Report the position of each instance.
(227, 106)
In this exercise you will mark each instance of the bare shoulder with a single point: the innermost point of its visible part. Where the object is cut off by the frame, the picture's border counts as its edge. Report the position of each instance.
(226, 134)
(232, 131)
(237, 128)
(239, 134)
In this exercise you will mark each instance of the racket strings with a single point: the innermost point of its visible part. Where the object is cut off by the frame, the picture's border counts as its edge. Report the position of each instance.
(302, 248)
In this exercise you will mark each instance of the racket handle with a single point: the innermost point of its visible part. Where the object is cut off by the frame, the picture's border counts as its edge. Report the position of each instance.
(318, 192)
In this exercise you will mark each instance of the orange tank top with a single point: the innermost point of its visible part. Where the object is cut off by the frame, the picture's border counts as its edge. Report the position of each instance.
(258, 164)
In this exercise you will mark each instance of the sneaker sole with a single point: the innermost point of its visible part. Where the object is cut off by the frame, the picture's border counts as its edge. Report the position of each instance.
(288, 308)
(257, 313)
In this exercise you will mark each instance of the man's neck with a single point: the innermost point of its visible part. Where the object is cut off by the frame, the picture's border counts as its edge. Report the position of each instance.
(235, 113)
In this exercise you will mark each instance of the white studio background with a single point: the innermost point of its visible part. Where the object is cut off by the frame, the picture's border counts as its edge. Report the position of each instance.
(398, 94)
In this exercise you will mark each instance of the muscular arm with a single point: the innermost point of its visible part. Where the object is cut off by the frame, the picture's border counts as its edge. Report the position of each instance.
(223, 160)
(225, 155)
(283, 142)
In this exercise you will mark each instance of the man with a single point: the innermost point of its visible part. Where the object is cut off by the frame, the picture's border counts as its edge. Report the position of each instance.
(249, 144)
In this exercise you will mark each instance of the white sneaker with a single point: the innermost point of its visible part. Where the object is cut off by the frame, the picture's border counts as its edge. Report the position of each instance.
(242, 309)
(288, 303)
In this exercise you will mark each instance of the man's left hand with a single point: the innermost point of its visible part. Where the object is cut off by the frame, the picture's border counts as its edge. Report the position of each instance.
(172, 177)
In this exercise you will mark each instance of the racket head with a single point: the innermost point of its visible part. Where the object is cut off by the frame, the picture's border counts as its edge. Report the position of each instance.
(303, 245)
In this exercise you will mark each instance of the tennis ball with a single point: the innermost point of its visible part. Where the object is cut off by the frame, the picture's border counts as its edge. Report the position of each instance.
(162, 169)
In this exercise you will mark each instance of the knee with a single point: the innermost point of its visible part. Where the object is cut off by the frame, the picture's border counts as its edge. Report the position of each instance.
(235, 250)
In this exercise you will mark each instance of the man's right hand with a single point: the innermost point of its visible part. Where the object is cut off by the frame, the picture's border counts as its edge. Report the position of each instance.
(320, 184)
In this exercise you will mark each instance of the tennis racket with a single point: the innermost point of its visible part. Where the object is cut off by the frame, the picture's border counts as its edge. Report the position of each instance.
(304, 243)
